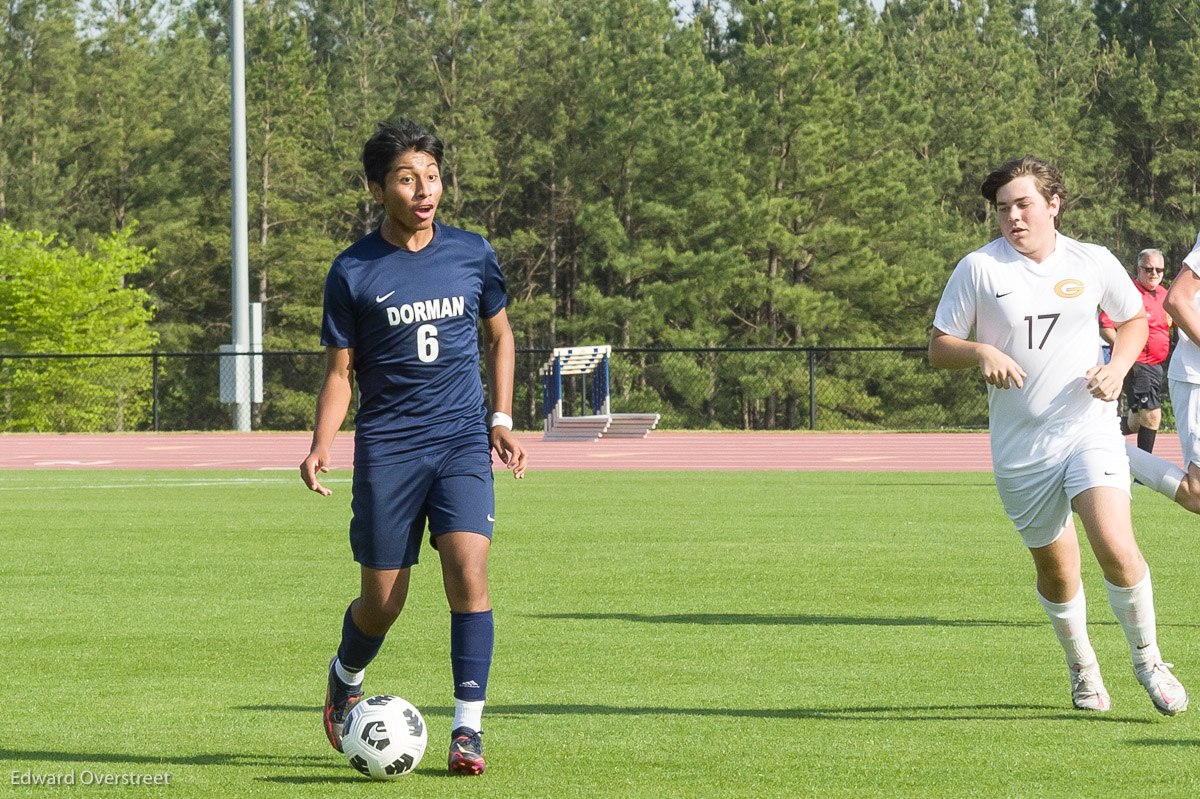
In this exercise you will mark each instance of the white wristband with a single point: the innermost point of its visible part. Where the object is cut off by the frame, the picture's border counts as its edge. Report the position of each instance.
(500, 420)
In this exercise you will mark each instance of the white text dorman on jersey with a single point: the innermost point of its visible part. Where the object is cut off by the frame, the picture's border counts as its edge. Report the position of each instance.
(426, 310)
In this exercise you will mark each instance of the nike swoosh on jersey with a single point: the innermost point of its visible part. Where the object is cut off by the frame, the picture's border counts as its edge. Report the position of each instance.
(385, 296)
(1005, 294)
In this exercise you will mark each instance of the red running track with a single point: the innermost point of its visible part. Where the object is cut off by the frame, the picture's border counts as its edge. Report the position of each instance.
(659, 451)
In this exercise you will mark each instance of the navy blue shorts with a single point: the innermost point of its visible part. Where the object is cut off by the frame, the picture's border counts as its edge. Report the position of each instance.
(451, 490)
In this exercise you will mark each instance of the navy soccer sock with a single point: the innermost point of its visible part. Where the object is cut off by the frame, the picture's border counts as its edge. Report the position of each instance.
(1146, 438)
(357, 648)
(471, 638)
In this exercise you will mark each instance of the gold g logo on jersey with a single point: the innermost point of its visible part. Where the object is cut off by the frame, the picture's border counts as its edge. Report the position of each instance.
(1069, 288)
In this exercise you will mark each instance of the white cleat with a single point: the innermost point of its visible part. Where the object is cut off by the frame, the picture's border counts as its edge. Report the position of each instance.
(1087, 689)
(1168, 694)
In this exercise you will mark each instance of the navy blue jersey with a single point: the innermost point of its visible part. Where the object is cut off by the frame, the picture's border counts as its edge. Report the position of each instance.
(412, 319)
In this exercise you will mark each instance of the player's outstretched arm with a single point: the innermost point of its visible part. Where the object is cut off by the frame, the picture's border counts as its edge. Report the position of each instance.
(1106, 380)
(500, 358)
(332, 404)
(951, 352)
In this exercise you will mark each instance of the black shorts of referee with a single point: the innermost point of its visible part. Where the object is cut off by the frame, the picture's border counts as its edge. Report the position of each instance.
(1143, 387)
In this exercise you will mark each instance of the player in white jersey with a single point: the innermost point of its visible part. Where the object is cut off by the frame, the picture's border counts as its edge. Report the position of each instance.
(1183, 380)
(1031, 298)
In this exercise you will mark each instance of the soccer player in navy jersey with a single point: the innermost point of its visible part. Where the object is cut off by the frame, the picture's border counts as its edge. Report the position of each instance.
(402, 308)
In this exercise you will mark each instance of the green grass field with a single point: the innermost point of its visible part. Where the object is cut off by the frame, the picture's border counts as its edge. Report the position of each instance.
(753, 634)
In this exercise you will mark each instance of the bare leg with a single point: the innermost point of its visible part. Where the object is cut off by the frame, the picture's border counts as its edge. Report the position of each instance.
(464, 570)
(1058, 566)
(1060, 591)
(381, 599)
(1105, 515)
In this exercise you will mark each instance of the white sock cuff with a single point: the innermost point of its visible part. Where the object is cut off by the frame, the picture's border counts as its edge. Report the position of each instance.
(1142, 583)
(1168, 486)
(346, 676)
(1161, 475)
(1062, 608)
(468, 714)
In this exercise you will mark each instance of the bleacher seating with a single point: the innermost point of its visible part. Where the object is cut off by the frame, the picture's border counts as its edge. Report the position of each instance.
(601, 423)
(631, 425)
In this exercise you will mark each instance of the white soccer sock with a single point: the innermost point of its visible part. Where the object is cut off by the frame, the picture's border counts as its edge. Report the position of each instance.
(1151, 470)
(468, 714)
(1069, 620)
(1134, 608)
(351, 678)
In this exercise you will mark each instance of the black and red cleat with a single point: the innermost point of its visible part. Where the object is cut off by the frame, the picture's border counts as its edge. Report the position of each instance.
(466, 752)
(339, 698)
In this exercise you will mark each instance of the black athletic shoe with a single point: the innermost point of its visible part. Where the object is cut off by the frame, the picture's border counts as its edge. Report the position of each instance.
(339, 698)
(466, 752)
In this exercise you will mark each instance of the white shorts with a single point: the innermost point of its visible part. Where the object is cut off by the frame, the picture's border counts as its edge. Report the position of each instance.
(1039, 504)
(1185, 401)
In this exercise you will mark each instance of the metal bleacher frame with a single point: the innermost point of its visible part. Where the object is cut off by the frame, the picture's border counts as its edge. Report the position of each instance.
(602, 422)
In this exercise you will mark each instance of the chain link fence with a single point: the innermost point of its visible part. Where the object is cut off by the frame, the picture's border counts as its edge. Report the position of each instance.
(820, 388)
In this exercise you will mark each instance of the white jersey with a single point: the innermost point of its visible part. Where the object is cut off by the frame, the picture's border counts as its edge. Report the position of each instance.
(1043, 316)
(1185, 360)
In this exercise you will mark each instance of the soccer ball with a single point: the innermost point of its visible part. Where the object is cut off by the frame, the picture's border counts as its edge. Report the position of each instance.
(384, 737)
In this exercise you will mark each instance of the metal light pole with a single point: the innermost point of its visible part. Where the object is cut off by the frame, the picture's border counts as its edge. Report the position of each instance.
(238, 225)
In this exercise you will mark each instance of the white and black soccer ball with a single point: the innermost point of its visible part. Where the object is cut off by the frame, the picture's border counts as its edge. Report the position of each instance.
(384, 737)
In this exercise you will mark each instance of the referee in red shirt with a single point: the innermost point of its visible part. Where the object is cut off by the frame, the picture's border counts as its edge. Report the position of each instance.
(1143, 384)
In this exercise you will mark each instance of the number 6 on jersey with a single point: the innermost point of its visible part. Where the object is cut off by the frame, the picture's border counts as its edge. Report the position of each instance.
(427, 343)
